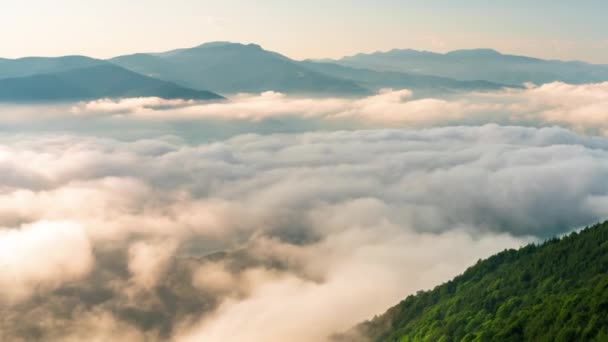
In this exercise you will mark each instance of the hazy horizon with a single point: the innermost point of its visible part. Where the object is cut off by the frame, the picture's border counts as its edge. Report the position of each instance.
(544, 29)
(317, 58)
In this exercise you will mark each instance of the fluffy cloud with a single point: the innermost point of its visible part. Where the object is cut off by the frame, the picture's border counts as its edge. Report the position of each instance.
(148, 260)
(286, 306)
(131, 105)
(242, 107)
(42, 255)
(491, 177)
(130, 220)
(581, 107)
(278, 233)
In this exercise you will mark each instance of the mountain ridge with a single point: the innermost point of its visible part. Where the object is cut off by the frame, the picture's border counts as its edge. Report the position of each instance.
(488, 51)
(92, 82)
(553, 291)
(232, 68)
(479, 64)
(28, 66)
(422, 85)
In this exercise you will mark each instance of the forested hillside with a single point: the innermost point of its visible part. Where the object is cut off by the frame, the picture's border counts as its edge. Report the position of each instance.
(556, 291)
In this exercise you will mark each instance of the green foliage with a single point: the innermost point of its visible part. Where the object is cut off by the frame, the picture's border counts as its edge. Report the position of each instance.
(557, 291)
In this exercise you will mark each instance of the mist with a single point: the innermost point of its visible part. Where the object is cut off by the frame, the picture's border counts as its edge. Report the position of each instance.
(580, 108)
(262, 217)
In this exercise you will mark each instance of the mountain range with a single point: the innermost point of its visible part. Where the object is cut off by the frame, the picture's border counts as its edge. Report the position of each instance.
(205, 71)
(479, 64)
(554, 291)
(232, 68)
(59, 82)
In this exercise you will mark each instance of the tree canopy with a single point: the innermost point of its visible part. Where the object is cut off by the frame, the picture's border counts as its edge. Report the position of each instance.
(555, 291)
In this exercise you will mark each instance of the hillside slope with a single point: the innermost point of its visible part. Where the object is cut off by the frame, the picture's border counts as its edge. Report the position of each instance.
(557, 291)
(480, 64)
(231, 68)
(28, 66)
(419, 83)
(98, 81)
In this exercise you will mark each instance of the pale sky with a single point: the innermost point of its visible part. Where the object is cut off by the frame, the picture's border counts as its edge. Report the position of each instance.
(556, 29)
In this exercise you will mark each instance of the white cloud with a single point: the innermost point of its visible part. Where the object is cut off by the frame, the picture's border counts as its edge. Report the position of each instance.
(581, 107)
(284, 226)
(136, 104)
(43, 255)
(148, 260)
(367, 270)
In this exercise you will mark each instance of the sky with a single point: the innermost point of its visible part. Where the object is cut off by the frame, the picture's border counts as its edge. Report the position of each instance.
(553, 29)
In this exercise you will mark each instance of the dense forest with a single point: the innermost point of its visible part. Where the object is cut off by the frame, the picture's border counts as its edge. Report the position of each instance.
(555, 291)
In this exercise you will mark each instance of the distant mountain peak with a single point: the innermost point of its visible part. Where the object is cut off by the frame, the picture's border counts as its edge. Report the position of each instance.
(60, 58)
(474, 52)
(214, 44)
(232, 68)
(76, 82)
(391, 53)
(479, 64)
(400, 52)
(227, 44)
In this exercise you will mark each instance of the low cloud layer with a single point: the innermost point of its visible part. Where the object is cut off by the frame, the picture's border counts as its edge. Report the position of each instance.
(270, 237)
(580, 107)
(41, 256)
(273, 218)
(577, 107)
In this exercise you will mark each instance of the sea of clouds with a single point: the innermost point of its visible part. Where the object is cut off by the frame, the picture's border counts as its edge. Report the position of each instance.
(275, 218)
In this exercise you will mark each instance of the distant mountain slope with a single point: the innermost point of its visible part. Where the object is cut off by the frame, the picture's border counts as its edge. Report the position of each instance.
(98, 81)
(557, 291)
(232, 68)
(29, 66)
(376, 80)
(479, 64)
